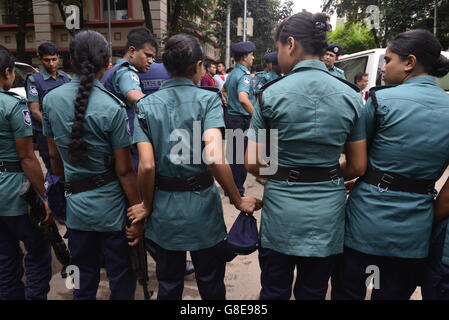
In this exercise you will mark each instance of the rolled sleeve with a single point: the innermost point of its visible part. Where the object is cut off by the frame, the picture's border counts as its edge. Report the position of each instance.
(214, 114)
(141, 134)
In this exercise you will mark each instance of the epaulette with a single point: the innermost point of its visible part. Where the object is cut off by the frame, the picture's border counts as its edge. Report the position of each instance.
(120, 102)
(15, 95)
(372, 93)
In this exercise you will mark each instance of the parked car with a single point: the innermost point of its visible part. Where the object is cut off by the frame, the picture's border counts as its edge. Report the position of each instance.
(22, 71)
(371, 62)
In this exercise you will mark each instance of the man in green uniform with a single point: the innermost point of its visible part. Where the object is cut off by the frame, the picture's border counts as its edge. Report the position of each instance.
(329, 59)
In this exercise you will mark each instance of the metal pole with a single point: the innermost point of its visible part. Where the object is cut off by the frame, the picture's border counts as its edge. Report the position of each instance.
(109, 26)
(244, 21)
(435, 19)
(228, 36)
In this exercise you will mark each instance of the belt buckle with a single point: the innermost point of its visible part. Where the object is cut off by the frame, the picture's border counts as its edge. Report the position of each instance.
(335, 177)
(293, 176)
(99, 181)
(385, 182)
(193, 183)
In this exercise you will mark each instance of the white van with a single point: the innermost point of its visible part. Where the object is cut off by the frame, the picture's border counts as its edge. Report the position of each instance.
(22, 70)
(371, 62)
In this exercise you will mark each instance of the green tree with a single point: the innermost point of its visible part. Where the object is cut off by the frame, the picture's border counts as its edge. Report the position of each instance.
(353, 38)
(397, 16)
(20, 12)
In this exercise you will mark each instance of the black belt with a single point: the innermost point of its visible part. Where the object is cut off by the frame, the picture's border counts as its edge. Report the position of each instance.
(307, 174)
(90, 183)
(195, 183)
(10, 167)
(392, 181)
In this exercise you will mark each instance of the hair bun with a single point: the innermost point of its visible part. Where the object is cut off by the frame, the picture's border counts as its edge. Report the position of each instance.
(441, 67)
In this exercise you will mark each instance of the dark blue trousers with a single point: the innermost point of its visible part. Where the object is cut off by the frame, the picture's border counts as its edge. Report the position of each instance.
(89, 249)
(398, 277)
(42, 146)
(436, 278)
(238, 170)
(37, 260)
(171, 265)
(277, 272)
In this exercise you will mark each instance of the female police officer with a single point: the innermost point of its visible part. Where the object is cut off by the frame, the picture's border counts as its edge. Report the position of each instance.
(186, 213)
(18, 163)
(87, 128)
(390, 211)
(315, 114)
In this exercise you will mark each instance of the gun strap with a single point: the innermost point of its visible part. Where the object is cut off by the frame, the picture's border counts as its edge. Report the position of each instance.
(195, 183)
(90, 183)
(10, 167)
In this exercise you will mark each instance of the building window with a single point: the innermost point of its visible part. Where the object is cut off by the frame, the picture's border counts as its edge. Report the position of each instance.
(7, 39)
(119, 9)
(64, 37)
(8, 12)
(117, 36)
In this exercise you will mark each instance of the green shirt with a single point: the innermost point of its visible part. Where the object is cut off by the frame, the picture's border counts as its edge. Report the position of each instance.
(183, 221)
(125, 79)
(411, 139)
(15, 123)
(239, 80)
(264, 78)
(307, 219)
(337, 72)
(105, 129)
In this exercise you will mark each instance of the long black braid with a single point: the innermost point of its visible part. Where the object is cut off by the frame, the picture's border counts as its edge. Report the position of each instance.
(90, 53)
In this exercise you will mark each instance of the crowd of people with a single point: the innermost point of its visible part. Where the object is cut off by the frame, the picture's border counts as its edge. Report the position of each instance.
(106, 135)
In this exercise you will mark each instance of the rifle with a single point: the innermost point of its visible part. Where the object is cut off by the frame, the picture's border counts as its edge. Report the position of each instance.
(139, 264)
(37, 214)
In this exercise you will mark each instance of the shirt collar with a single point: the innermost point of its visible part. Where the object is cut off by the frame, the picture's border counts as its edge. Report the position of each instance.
(177, 82)
(97, 83)
(314, 64)
(422, 80)
(3, 90)
(47, 76)
(242, 67)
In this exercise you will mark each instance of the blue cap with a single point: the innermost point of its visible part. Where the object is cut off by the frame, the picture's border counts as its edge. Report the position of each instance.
(271, 57)
(243, 47)
(335, 48)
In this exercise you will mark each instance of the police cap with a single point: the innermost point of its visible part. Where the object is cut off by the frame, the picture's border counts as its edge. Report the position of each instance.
(243, 47)
(271, 57)
(335, 48)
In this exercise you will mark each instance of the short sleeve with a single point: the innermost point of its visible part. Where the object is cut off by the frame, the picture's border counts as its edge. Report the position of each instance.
(127, 81)
(47, 130)
(120, 130)
(214, 114)
(244, 84)
(31, 90)
(20, 121)
(370, 119)
(141, 130)
(359, 130)
(257, 122)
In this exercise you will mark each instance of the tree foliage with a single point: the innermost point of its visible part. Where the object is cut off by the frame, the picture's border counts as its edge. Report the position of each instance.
(397, 16)
(353, 38)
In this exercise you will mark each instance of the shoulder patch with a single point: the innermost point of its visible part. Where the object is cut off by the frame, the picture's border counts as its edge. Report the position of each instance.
(26, 117)
(246, 80)
(135, 78)
(33, 91)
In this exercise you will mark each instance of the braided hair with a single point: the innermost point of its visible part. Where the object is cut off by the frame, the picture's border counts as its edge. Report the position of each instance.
(90, 53)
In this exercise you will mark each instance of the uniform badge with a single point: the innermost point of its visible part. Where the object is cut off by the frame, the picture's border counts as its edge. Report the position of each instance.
(336, 50)
(33, 91)
(135, 78)
(26, 117)
(246, 81)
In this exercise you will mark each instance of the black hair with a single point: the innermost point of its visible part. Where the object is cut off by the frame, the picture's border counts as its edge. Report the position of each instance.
(229, 70)
(307, 28)
(7, 60)
(239, 56)
(359, 76)
(90, 53)
(182, 52)
(47, 49)
(425, 47)
(208, 63)
(139, 37)
(220, 62)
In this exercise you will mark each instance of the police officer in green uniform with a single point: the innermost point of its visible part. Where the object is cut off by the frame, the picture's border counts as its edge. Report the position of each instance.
(330, 57)
(177, 183)
(123, 81)
(390, 210)
(89, 142)
(38, 85)
(18, 163)
(239, 88)
(272, 71)
(302, 223)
